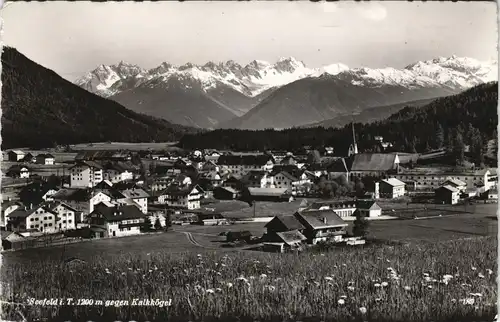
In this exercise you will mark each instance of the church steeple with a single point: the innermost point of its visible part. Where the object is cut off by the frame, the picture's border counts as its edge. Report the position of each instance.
(353, 149)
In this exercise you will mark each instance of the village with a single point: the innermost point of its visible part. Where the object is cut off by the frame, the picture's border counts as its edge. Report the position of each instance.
(314, 198)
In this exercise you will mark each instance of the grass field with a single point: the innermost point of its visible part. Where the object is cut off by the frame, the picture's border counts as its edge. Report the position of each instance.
(426, 281)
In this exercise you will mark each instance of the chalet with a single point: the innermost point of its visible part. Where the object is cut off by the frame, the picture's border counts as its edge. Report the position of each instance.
(208, 218)
(17, 171)
(45, 158)
(447, 195)
(373, 164)
(117, 221)
(15, 155)
(390, 188)
(82, 200)
(225, 193)
(86, 174)
(66, 217)
(282, 223)
(321, 225)
(242, 164)
(116, 172)
(139, 196)
(12, 240)
(457, 184)
(368, 208)
(40, 218)
(180, 197)
(344, 208)
(490, 194)
(267, 194)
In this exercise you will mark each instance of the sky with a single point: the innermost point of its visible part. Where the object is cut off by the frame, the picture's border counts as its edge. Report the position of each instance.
(73, 38)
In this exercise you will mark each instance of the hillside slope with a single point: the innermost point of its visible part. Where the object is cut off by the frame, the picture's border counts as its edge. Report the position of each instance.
(40, 109)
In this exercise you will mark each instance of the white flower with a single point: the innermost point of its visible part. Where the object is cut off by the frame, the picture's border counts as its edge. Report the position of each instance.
(376, 285)
(350, 288)
(229, 285)
(407, 288)
(210, 291)
(263, 275)
(476, 294)
(426, 274)
(480, 275)
(453, 300)
(473, 268)
(489, 271)
(341, 301)
(429, 286)
(270, 288)
(241, 278)
(384, 284)
(218, 289)
(343, 296)
(328, 278)
(362, 310)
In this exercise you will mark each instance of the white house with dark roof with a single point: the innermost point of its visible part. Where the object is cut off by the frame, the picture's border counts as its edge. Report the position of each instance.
(116, 172)
(45, 158)
(39, 218)
(390, 188)
(431, 178)
(86, 174)
(139, 196)
(321, 225)
(368, 208)
(117, 221)
(456, 183)
(258, 179)
(242, 164)
(181, 197)
(345, 208)
(7, 208)
(82, 200)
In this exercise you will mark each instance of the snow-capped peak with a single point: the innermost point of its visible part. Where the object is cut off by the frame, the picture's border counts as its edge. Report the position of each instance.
(258, 75)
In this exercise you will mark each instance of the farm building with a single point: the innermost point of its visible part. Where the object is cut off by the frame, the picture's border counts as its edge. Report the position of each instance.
(29, 158)
(321, 225)
(390, 188)
(431, 178)
(490, 194)
(45, 158)
(180, 197)
(373, 164)
(344, 208)
(447, 195)
(16, 241)
(225, 193)
(211, 219)
(457, 184)
(285, 241)
(15, 155)
(281, 224)
(368, 208)
(242, 164)
(267, 194)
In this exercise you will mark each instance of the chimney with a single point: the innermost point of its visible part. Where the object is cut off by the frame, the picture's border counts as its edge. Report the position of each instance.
(377, 190)
(324, 220)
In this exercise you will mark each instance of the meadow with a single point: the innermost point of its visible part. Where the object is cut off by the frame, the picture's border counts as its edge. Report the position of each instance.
(425, 281)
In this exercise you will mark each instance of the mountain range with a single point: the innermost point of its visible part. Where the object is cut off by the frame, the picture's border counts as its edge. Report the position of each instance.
(41, 109)
(284, 94)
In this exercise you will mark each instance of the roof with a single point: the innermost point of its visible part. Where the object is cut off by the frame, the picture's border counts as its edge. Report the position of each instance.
(288, 176)
(292, 236)
(117, 213)
(267, 191)
(229, 189)
(455, 182)
(408, 157)
(367, 205)
(338, 165)
(394, 182)
(16, 152)
(54, 204)
(46, 156)
(73, 194)
(134, 193)
(449, 188)
(289, 221)
(333, 204)
(118, 166)
(176, 190)
(102, 155)
(90, 164)
(373, 162)
(254, 175)
(321, 218)
(259, 159)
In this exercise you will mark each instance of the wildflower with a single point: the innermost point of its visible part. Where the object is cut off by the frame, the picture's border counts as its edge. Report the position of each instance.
(123, 273)
(350, 288)
(469, 301)
(219, 273)
(328, 278)
(453, 301)
(429, 286)
(476, 294)
(480, 275)
(489, 271)
(263, 276)
(377, 285)
(252, 277)
(322, 254)
(378, 299)
(241, 278)
(473, 268)
(210, 291)
(341, 301)
(343, 296)
(218, 290)
(223, 265)
(384, 284)
(270, 288)
(362, 310)
(229, 285)
(130, 268)
(407, 288)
